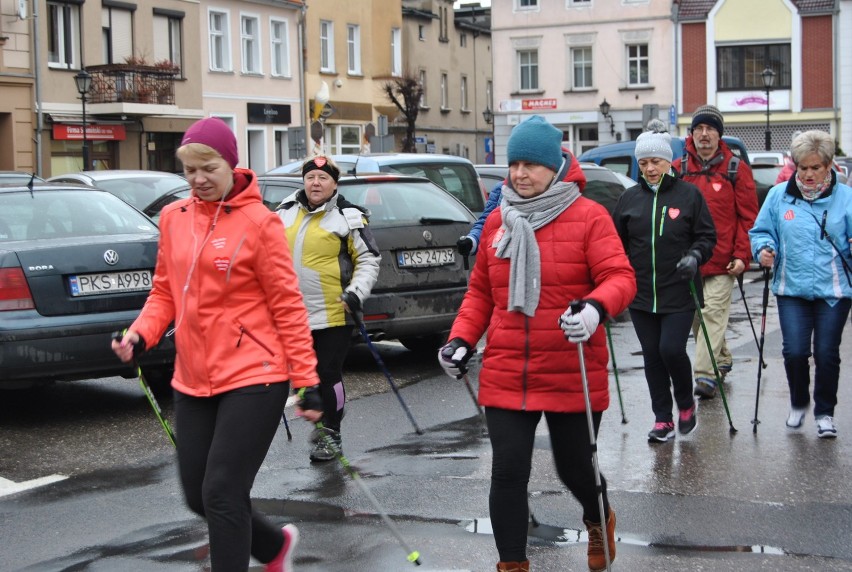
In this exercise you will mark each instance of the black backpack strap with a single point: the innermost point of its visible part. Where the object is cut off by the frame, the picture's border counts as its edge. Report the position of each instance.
(733, 167)
(684, 161)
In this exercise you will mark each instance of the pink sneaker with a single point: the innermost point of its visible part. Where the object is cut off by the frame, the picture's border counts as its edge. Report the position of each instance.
(284, 561)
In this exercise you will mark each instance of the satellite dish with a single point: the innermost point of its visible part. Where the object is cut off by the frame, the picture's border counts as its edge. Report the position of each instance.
(22, 9)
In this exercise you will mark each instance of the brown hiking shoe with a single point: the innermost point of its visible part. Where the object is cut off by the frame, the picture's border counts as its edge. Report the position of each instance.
(514, 566)
(597, 556)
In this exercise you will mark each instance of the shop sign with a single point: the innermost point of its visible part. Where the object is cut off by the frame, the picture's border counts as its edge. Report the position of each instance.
(535, 104)
(93, 132)
(268, 113)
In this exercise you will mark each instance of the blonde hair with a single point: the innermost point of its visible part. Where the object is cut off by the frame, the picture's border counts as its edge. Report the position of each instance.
(810, 142)
(197, 151)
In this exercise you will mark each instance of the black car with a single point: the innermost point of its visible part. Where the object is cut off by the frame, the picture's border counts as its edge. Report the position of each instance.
(75, 266)
(602, 185)
(416, 224)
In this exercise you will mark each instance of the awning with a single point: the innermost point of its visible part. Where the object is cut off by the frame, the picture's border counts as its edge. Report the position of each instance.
(167, 124)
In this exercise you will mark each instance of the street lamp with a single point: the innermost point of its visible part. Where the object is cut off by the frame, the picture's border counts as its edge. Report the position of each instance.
(605, 108)
(768, 77)
(488, 115)
(84, 84)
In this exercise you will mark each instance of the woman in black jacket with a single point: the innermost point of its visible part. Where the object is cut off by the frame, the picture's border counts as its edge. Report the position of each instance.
(668, 233)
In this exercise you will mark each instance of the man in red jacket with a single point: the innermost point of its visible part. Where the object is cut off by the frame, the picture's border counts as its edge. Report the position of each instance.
(731, 197)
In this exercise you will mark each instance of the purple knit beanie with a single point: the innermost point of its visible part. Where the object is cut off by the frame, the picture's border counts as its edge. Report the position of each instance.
(216, 134)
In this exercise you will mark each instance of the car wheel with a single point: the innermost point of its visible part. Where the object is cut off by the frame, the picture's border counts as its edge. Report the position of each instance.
(424, 344)
(159, 379)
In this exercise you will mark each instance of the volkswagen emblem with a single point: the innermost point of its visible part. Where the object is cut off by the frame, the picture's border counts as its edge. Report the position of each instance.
(427, 236)
(111, 257)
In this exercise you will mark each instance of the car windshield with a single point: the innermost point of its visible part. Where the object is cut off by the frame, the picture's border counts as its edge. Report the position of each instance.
(155, 208)
(457, 179)
(404, 203)
(141, 191)
(66, 214)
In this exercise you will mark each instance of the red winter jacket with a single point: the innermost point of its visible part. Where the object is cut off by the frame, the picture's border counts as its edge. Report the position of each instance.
(232, 291)
(528, 364)
(733, 209)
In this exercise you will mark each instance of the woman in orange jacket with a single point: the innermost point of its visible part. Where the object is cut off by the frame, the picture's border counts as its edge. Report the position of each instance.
(225, 278)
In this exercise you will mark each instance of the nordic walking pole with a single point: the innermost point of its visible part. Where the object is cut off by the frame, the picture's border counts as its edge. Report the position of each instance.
(576, 306)
(710, 351)
(286, 425)
(615, 371)
(146, 389)
(755, 421)
(412, 555)
(748, 313)
(360, 323)
(475, 400)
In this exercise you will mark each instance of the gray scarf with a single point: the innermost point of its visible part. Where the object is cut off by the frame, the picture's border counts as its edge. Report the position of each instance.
(521, 218)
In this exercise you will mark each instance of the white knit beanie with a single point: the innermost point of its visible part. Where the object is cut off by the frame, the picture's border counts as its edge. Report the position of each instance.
(653, 144)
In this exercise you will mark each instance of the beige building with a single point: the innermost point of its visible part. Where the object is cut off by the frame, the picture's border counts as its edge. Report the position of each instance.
(450, 52)
(352, 49)
(17, 86)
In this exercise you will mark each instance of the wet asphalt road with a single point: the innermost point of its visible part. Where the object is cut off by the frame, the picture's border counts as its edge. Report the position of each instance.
(778, 500)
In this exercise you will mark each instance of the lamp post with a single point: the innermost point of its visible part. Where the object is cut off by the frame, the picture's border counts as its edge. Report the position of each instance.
(84, 84)
(768, 77)
(488, 116)
(605, 108)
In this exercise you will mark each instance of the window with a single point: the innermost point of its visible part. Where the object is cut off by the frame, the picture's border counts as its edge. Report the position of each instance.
(396, 52)
(424, 102)
(353, 45)
(250, 42)
(464, 105)
(489, 94)
(168, 37)
(326, 46)
(528, 70)
(117, 34)
(463, 40)
(280, 48)
(220, 42)
(344, 139)
(581, 60)
(739, 67)
(637, 65)
(445, 98)
(63, 35)
(527, 4)
(421, 33)
(580, 3)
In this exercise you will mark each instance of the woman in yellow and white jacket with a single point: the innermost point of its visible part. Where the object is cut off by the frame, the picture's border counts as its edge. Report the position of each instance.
(337, 262)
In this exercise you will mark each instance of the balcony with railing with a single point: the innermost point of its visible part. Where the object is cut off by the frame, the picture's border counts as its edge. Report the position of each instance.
(133, 83)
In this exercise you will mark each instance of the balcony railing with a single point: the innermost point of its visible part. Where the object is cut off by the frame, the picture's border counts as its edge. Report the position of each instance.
(127, 83)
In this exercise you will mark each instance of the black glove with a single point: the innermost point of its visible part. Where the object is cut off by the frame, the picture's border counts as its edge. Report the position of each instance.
(310, 399)
(687, 268)
(454, 356)
(465, 245)
(353, 303)
(138, 348)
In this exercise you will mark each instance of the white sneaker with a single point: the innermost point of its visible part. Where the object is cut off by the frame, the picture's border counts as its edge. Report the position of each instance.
(794, 420)
(825, 427)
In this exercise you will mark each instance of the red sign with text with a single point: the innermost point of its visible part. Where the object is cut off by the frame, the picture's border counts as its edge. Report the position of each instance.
(533, 104)
(93, 132)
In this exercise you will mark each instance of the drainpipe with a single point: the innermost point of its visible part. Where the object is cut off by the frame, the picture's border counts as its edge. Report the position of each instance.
(303, 64)
(836, 71)
(677, 63)
(37, 87)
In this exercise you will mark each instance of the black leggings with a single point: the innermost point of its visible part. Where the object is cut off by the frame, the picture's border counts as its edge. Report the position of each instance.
(221, 444)
(331, 346)
(663, 340)
(512, 435)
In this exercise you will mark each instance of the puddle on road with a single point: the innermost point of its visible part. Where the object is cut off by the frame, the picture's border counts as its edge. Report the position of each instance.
(567, 536)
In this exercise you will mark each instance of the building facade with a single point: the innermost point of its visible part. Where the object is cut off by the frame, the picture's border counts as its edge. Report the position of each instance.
(450, 54)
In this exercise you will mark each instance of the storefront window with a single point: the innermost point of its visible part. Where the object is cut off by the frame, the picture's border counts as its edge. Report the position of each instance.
(66, 156)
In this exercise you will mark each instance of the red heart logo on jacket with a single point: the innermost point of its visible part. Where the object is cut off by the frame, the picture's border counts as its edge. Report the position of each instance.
(673, 213)
(717, 187)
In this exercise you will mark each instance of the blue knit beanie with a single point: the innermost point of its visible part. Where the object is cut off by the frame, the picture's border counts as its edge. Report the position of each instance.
(537, 141)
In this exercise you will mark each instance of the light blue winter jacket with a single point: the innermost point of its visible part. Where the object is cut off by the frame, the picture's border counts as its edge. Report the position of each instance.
(806, 264)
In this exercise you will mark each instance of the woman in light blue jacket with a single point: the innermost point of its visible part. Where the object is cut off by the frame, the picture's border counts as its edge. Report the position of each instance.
(803, 232)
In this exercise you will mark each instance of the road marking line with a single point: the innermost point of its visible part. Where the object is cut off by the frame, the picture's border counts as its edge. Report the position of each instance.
(8, 487)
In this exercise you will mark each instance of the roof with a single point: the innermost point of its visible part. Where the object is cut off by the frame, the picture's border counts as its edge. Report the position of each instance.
(698, 9)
